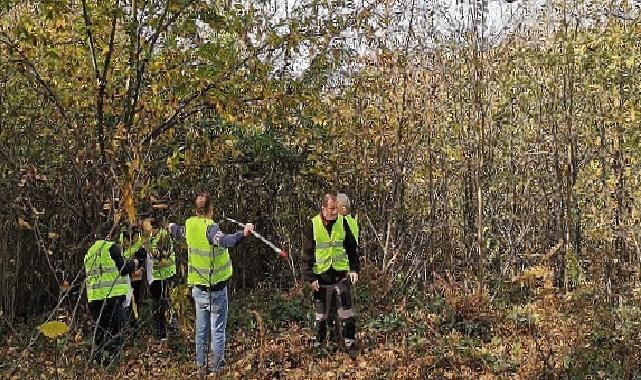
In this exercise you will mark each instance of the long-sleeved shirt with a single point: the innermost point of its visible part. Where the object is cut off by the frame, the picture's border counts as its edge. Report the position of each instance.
(331, 276)
(215, 237)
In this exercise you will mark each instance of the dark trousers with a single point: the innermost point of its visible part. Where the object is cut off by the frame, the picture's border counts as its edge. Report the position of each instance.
(109, 317)
(333, 324)
(341, 293)
(159, 290)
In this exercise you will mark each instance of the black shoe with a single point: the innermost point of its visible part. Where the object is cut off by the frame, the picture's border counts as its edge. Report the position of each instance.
(352, 350)
(320, 351)
(160, 336)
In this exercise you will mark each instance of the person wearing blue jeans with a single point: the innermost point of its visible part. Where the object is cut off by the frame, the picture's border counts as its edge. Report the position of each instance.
(211, 321)
(209, 270)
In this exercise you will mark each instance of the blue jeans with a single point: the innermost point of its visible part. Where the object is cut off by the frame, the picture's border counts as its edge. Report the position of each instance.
(211, 321)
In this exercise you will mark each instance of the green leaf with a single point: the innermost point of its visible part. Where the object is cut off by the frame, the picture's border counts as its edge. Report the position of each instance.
(4, 5)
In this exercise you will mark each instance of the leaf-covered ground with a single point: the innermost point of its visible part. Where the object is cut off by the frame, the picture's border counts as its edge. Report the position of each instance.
(455, 333)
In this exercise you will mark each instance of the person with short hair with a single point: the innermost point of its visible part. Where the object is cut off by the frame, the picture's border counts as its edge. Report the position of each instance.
(161, 269)
(345, 208)
(331, 266)
(132, 244)
(209, 270)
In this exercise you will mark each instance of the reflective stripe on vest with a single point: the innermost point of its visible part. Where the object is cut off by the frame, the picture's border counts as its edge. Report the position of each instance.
(103, 278)
(205, 274)
(329, 250)
(163, 266)
(207, 264)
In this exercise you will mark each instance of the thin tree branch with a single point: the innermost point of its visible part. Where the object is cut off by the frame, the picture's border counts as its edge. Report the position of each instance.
(92, 49)
(140, 73)
(94, 62)
(171, 121)
(31, 69)
(105, 69)
(133, 91)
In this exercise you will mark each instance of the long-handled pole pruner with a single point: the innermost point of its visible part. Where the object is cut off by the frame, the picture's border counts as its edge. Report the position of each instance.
(281, 252)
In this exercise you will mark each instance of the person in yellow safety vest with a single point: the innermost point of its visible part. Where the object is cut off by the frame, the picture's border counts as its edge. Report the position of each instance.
(106, 283)
(331, 265)
(160, 268)
(345, 208)
(209, 269)
(133, 245)
(343, 205)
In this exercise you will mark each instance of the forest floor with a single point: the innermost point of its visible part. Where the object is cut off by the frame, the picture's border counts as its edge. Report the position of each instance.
(458, 334)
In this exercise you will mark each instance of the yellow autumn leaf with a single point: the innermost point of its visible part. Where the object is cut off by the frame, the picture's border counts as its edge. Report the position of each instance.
(53, 235)
(53, 329)
(60, 23)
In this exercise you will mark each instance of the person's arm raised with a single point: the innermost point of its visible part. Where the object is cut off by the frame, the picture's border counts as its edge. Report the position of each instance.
(223, 240)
